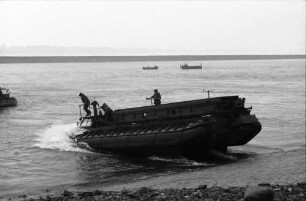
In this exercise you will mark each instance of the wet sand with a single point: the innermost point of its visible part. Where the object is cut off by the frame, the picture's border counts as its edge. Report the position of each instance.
(274, 168)
(284, 171)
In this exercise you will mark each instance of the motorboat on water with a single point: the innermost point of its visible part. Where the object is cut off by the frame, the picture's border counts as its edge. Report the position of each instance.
(5, 99)
(186, 66)
(150, 67)
(187, 128)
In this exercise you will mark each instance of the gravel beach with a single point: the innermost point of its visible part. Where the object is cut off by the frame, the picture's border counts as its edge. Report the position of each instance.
(280, 192)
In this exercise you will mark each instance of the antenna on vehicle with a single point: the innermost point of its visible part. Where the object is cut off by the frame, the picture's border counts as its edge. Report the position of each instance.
(208, 91)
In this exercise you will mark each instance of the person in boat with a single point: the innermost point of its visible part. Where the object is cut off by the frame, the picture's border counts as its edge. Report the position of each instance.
(94, 104)
(86, 103)
(156, 97)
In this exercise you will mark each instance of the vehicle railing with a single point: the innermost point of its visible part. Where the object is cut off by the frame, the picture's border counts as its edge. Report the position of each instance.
(83, 118)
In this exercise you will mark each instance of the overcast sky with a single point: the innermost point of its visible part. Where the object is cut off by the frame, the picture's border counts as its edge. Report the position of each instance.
(186, 27)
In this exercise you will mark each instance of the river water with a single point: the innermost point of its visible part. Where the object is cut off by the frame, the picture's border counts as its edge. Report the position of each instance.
(38, 155)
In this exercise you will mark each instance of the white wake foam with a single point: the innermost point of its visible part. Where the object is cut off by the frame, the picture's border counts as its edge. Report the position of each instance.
(57, 137)
(181, 160)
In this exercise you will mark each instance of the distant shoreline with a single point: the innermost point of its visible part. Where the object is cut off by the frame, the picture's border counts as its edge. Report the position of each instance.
(96, 59)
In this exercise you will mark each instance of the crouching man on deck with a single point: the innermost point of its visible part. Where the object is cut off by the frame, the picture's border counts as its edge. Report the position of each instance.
(95, 104)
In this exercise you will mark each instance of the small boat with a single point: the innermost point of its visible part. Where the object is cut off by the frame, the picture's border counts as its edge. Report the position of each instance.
(5, 99)
(188, 128)
(150, 67)
(186, 66)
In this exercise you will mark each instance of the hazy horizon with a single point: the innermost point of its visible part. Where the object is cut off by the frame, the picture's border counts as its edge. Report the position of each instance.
(153, 27)
(45, 51)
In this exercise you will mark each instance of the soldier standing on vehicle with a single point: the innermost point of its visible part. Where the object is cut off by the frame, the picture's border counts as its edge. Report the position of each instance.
(156, 97)
(86, 103)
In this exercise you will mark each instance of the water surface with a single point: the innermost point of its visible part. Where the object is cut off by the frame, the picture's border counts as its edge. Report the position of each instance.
(37, 153)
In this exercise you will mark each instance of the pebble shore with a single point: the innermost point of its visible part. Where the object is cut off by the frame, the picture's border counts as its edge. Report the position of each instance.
(292, 192)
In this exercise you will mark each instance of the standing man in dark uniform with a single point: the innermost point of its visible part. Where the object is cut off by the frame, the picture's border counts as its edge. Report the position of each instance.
(156, 97)
(86, 103)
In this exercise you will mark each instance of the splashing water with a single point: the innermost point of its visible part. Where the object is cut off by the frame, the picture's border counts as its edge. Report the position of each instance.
(57, 137)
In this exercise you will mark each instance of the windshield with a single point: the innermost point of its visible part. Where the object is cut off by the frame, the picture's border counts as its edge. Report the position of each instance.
(4, 91)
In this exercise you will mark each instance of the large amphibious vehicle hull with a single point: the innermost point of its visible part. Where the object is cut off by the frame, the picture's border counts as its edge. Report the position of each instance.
(187, 128)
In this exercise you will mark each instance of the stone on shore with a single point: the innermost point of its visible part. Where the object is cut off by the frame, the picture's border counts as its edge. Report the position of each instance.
(258, 193)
